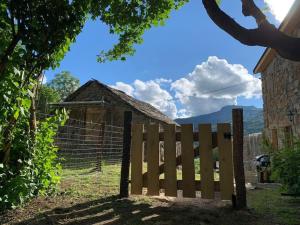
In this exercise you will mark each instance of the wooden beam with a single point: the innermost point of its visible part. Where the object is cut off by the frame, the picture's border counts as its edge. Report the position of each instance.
(238, 160)
(226, 164)
(188, 165)
(137, 159)
(152, 148)
(206, 161)
(124, 192)
(170, 160)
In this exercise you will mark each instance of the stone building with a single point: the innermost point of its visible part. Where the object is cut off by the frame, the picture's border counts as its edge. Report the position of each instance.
(98, 103)
(281, 87)
(93, 133)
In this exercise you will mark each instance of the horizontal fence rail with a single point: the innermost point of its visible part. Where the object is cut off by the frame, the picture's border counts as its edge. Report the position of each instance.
(180, 149)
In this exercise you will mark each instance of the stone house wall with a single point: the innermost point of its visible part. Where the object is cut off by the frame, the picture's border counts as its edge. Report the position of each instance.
(281, 94)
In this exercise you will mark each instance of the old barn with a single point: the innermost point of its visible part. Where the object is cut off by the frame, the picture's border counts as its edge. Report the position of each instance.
(98, 103)
(94, 131)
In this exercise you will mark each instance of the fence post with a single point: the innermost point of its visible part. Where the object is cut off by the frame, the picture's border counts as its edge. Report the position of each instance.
(99, 152)
(124, 182)
(238, 161)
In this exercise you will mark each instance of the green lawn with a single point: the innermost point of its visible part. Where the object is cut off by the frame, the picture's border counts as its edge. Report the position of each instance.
(89, 197)
(283, 209)
(89, 182)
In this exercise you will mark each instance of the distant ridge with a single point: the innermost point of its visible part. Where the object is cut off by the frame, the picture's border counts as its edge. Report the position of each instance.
(253, 118)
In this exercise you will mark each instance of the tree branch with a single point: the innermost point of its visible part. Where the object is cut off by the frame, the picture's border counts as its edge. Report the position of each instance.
(265, 35)
(250, 9)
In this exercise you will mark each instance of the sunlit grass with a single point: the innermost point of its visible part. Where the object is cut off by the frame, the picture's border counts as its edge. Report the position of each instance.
(90, 182)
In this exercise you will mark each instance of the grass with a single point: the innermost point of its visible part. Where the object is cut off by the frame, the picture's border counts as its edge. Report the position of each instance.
(87, 197)
(88, 182)
(269, 201)
(266, 203)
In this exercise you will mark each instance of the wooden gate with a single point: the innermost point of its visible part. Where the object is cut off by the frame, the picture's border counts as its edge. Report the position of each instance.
(155, 177)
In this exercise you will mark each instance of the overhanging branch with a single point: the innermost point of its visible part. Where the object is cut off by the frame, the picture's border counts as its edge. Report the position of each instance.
(266, 35)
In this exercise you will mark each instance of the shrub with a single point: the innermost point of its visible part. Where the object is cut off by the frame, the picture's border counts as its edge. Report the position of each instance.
(286, 168)
(33, 168)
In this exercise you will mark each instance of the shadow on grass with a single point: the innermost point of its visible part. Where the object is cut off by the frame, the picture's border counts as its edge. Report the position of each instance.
(114, 211)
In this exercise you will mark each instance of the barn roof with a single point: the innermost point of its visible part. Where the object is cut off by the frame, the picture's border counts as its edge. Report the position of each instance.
(142, 107)
(289, 24)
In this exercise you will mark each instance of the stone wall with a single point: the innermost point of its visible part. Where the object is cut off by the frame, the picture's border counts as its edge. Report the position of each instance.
(281, 95)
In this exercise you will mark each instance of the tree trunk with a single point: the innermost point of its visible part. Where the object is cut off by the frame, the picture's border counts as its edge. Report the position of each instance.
(7, 137)
(32, 119)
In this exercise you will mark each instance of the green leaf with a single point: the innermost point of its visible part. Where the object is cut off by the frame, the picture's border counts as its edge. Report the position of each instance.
(16, 114)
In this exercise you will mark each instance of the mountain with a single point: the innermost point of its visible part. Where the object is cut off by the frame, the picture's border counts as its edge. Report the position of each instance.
(253, 118)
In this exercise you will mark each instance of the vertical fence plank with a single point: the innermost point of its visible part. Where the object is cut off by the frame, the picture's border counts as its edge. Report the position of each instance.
(170, 160)
(124, 181)
(225, 157)
(153, 159)
(188, 167)
(206, 161)
(137, 159)
(238, 160)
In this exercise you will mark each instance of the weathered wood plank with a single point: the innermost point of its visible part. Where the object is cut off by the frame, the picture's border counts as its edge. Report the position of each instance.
(226, 165)
(137, 159)
(198, 184)
(206, 161)
(195, 137)
(152, 146)
(178, 158)
(188, 167)
(170, 160)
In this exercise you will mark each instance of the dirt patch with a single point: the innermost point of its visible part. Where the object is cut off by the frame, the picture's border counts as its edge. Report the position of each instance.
(268, 208)
(132, 211)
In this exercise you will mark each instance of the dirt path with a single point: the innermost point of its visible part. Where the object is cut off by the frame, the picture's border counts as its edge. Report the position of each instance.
(64, 210)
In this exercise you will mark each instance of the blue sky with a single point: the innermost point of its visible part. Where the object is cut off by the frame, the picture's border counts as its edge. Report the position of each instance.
(172, 52)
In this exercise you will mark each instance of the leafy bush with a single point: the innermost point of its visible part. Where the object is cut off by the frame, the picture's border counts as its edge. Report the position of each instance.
(33, 168)
(286, 167)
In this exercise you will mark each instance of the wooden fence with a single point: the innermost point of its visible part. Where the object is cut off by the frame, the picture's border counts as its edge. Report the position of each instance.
(207, 140)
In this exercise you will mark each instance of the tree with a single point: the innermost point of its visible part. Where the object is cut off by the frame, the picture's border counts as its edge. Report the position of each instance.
(266, 35)
(36, 34)
(46, 28)
(64, 84)
(46, 95)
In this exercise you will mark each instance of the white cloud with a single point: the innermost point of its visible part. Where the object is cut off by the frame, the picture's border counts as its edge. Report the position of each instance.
(128, 89)
(214, 84)
(279, 8)
(163, 80)
(152, 93)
